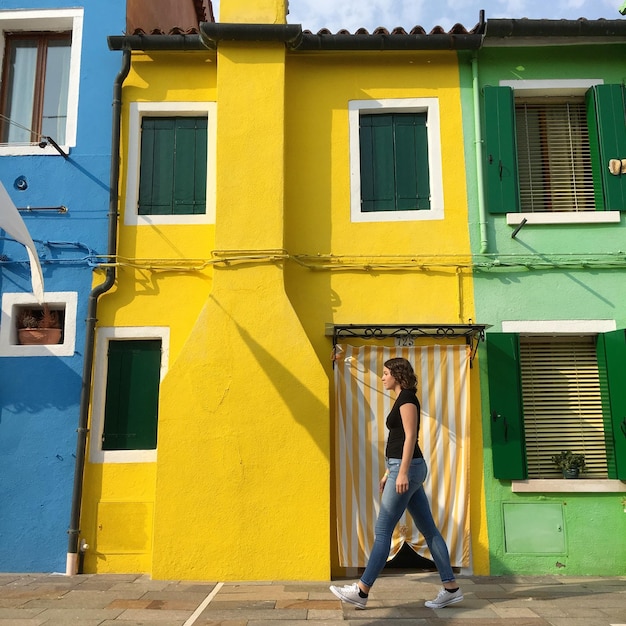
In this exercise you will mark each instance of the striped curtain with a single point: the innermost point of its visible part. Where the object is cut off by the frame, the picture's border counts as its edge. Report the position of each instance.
(361, 407)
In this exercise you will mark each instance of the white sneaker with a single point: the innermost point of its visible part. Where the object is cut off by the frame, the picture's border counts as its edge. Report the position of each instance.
(350, 594)
(445, 598)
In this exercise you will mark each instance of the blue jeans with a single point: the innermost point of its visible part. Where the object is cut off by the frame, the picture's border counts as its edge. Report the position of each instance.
(392, 507)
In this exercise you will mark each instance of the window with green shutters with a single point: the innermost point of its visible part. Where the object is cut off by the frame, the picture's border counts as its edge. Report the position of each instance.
(132, 394)
(550, 153)
(394, 162)
(173, 171)
(549, 394)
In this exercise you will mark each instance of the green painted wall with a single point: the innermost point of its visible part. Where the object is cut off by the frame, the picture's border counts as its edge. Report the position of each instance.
(547, 272)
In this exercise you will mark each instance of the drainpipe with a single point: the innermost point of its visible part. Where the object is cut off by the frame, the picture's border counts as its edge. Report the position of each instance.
(478, 144)
(71, 567)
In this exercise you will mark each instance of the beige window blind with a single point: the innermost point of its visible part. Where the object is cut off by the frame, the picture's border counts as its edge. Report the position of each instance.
(562, 403)
(554, 160)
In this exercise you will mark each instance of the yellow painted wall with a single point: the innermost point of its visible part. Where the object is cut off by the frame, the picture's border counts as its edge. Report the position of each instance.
(252, 491)
(242, 485)
(119, 498)
(407, 272)
(253, 12)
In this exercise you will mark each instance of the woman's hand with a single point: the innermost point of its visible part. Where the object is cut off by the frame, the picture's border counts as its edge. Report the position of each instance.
(402, 482)
(383, 482)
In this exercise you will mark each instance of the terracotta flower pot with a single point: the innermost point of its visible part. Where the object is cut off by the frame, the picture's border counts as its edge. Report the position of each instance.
(39, 336)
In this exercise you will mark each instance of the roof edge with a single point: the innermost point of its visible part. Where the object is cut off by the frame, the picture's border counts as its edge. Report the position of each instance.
(155, 42)
(537, 29)
(385, 41)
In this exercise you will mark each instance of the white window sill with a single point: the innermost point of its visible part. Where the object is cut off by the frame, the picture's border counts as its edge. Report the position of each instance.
(570, 217)
(574, 485)
(31, 150)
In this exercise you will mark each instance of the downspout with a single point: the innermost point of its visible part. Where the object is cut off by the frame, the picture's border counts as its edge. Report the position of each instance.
(71, 567)
(478, 144)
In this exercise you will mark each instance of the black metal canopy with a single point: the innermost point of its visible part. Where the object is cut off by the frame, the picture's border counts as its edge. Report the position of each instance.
(473, 333)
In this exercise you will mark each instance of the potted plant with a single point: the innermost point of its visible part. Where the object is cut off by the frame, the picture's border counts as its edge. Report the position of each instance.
(39, 326)
(570, 463)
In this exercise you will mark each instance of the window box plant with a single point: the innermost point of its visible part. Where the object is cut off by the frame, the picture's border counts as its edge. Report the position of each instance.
(570, 463)
(39, 326)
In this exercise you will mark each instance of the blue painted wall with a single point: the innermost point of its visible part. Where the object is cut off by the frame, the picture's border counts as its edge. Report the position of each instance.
(40, 396)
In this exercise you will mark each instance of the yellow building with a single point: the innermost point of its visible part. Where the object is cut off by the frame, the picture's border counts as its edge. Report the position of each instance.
(276, 187)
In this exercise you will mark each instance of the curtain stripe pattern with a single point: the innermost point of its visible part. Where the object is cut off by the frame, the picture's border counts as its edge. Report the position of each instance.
(361, 407)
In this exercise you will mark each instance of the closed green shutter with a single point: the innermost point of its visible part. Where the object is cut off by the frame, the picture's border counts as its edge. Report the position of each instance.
(500, 152)
(172, 177)
(612, 366)
(505, 401)
(132, 395)
(190, 166)
(606, 116)
(394, 162)
(411, 162)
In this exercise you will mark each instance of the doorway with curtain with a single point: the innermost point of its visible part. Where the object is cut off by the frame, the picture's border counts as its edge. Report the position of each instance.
(361, 408)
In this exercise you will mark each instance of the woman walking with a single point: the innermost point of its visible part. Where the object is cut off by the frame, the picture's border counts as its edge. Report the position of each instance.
(402, 489)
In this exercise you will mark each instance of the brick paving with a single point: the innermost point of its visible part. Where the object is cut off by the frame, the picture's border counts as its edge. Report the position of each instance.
(398, 598)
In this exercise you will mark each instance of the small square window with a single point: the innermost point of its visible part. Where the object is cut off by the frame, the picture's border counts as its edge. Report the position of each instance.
(171, 164)
(172, 179)
(40, 325)
(395, 160)
(31, 328)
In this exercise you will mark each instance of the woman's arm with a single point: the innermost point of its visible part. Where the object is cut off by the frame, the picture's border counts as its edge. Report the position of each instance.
(408, 413)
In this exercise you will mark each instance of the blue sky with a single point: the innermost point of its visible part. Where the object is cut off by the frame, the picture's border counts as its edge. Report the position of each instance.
(352, 14)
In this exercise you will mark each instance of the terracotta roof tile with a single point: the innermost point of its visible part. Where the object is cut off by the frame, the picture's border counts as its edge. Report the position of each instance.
(398, 31)
(173, 31)
(457, 29)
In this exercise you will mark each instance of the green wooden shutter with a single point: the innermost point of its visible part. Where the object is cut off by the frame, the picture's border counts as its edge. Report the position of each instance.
(157, 166)
(394, 162)
(132, 395)
(190, 166)
(612, 367)
(606, 116)
(172, 178)
(508, 447)
(500, 151)
(411, 162)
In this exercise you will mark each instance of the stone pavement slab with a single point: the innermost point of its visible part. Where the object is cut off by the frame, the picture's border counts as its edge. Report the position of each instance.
(397, 598)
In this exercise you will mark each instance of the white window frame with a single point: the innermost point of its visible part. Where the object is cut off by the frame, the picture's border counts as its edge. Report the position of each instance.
(11, 302)
(103, 336)
(50, 20)
(557, 87)
(139, 110)
(430, 106)
(557, 328)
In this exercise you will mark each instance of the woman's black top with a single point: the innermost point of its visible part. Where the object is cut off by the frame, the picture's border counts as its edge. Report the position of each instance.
(395, 441)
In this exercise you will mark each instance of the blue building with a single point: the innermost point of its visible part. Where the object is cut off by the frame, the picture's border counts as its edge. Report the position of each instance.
(56, 96)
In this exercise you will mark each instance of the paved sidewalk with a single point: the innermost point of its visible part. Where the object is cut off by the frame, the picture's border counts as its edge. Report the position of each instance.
(398, 599)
